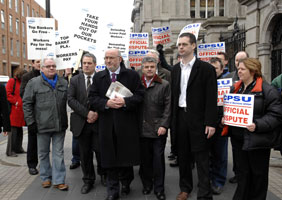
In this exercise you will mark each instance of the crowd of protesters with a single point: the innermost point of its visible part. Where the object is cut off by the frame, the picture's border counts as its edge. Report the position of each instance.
(131, 130)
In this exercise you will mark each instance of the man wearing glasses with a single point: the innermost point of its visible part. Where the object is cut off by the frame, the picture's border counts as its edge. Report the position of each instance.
(119, 123)
(44, 105)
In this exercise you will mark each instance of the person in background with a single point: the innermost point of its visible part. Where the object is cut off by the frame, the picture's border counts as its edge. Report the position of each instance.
(4, 112)
(224, 59)
(234, 75)
(15, 137)
(252, 144)
(219, 144)
(31, 154)
(45, 111)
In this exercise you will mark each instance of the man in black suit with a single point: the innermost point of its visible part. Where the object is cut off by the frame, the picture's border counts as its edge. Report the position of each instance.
(4, 112)
(119, 122)
(194, 109)
(83, 122)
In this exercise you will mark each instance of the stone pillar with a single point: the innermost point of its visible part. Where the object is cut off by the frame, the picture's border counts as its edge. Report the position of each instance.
(147, 9)
(188, 11)
(216, 8)
(264, 52)
(214, 26)
(197, 9)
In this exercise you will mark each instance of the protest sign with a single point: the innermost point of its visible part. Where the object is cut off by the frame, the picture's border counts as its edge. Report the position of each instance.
(209, 50)
(223, 87)
(238, 109)
(138, 41)
(40, 37)
(65, 55)
(161, 35)
(192, 28)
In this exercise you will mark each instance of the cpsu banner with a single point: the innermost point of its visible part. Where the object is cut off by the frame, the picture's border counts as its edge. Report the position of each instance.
(223, 86)
(238, 109)
(192, 28)
(135, 58)
(161, 35)
(209, 50)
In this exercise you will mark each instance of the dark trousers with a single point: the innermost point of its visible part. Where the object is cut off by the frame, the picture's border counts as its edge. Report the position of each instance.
(15, 140)
(219, 154)
(173, 143)
(75, 151)
(184, 159)
(88, 142)
(31, 154)
(152, 168)
(115, 175)
(253, 172)
(235, 168)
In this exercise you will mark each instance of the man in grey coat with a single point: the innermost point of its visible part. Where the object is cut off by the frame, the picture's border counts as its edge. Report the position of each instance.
(44, 105)
(156, 121)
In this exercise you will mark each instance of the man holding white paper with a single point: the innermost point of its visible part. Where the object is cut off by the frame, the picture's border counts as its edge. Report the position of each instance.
(119, 124)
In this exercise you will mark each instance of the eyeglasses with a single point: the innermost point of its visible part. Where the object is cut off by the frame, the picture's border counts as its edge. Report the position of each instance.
(49, 66)
(110, 57)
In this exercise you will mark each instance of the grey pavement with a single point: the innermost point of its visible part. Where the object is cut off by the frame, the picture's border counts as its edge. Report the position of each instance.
(16, 183)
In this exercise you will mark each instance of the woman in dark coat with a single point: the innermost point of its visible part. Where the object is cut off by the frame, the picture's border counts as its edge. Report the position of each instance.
(4, 112)
(252, 144)
(15, 138)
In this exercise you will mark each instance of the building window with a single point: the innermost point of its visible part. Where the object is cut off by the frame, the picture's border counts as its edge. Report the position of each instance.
(37, 14)
(3, 44)
(192, 8)
(17, 5)
(18, 48)
(221, 7)
(23, 8)
(23, 29)
(206, 8)
(11, 47)
(11, 23)
(27, 11)
(24, 52)
(32, 14)
(2, 19)
(10, 4)
(2, 1)
(17, 26)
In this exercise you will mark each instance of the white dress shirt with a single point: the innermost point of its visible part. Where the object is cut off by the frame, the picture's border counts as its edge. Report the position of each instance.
(148, 82)
(85, 79)
(116, 72)
(185, 74)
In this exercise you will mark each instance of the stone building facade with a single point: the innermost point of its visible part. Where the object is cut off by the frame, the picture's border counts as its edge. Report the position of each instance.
(259, 21)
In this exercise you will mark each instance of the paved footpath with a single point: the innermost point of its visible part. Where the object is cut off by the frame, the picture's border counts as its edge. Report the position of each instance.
(16, 183)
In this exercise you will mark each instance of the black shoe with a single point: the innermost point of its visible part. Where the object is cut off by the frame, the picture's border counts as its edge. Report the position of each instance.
(125, 189)
(12, 154)
(146, 190)
(217, 190)
(112, 197)
(160, 196)
(33, 171)
(104, 180)
(233, 179)
(174, 163)
(74, 165)
(86, 188)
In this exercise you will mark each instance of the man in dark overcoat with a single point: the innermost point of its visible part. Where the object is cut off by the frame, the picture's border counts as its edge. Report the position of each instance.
(194, 104)
(83, 122)
(119, 122)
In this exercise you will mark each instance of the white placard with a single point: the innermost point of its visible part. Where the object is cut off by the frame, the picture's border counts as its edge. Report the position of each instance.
(40, 37)
(223, 86)
(209, 50)
(161, 35)
(192, 28)
(238, 109)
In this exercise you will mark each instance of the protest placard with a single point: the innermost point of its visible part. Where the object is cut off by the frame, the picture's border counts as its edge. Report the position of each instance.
(238, 109)
(161, 35)
(138, 41)
(209, 50)
(40, 37)
(65, 55)
(223, 87)
(192, 28)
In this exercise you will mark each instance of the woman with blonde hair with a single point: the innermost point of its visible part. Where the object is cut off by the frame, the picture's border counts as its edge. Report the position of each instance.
(252, 144)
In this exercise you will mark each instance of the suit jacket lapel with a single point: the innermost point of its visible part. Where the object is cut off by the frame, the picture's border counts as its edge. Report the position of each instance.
(193, 73)
(82, 85)
(178, 76)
